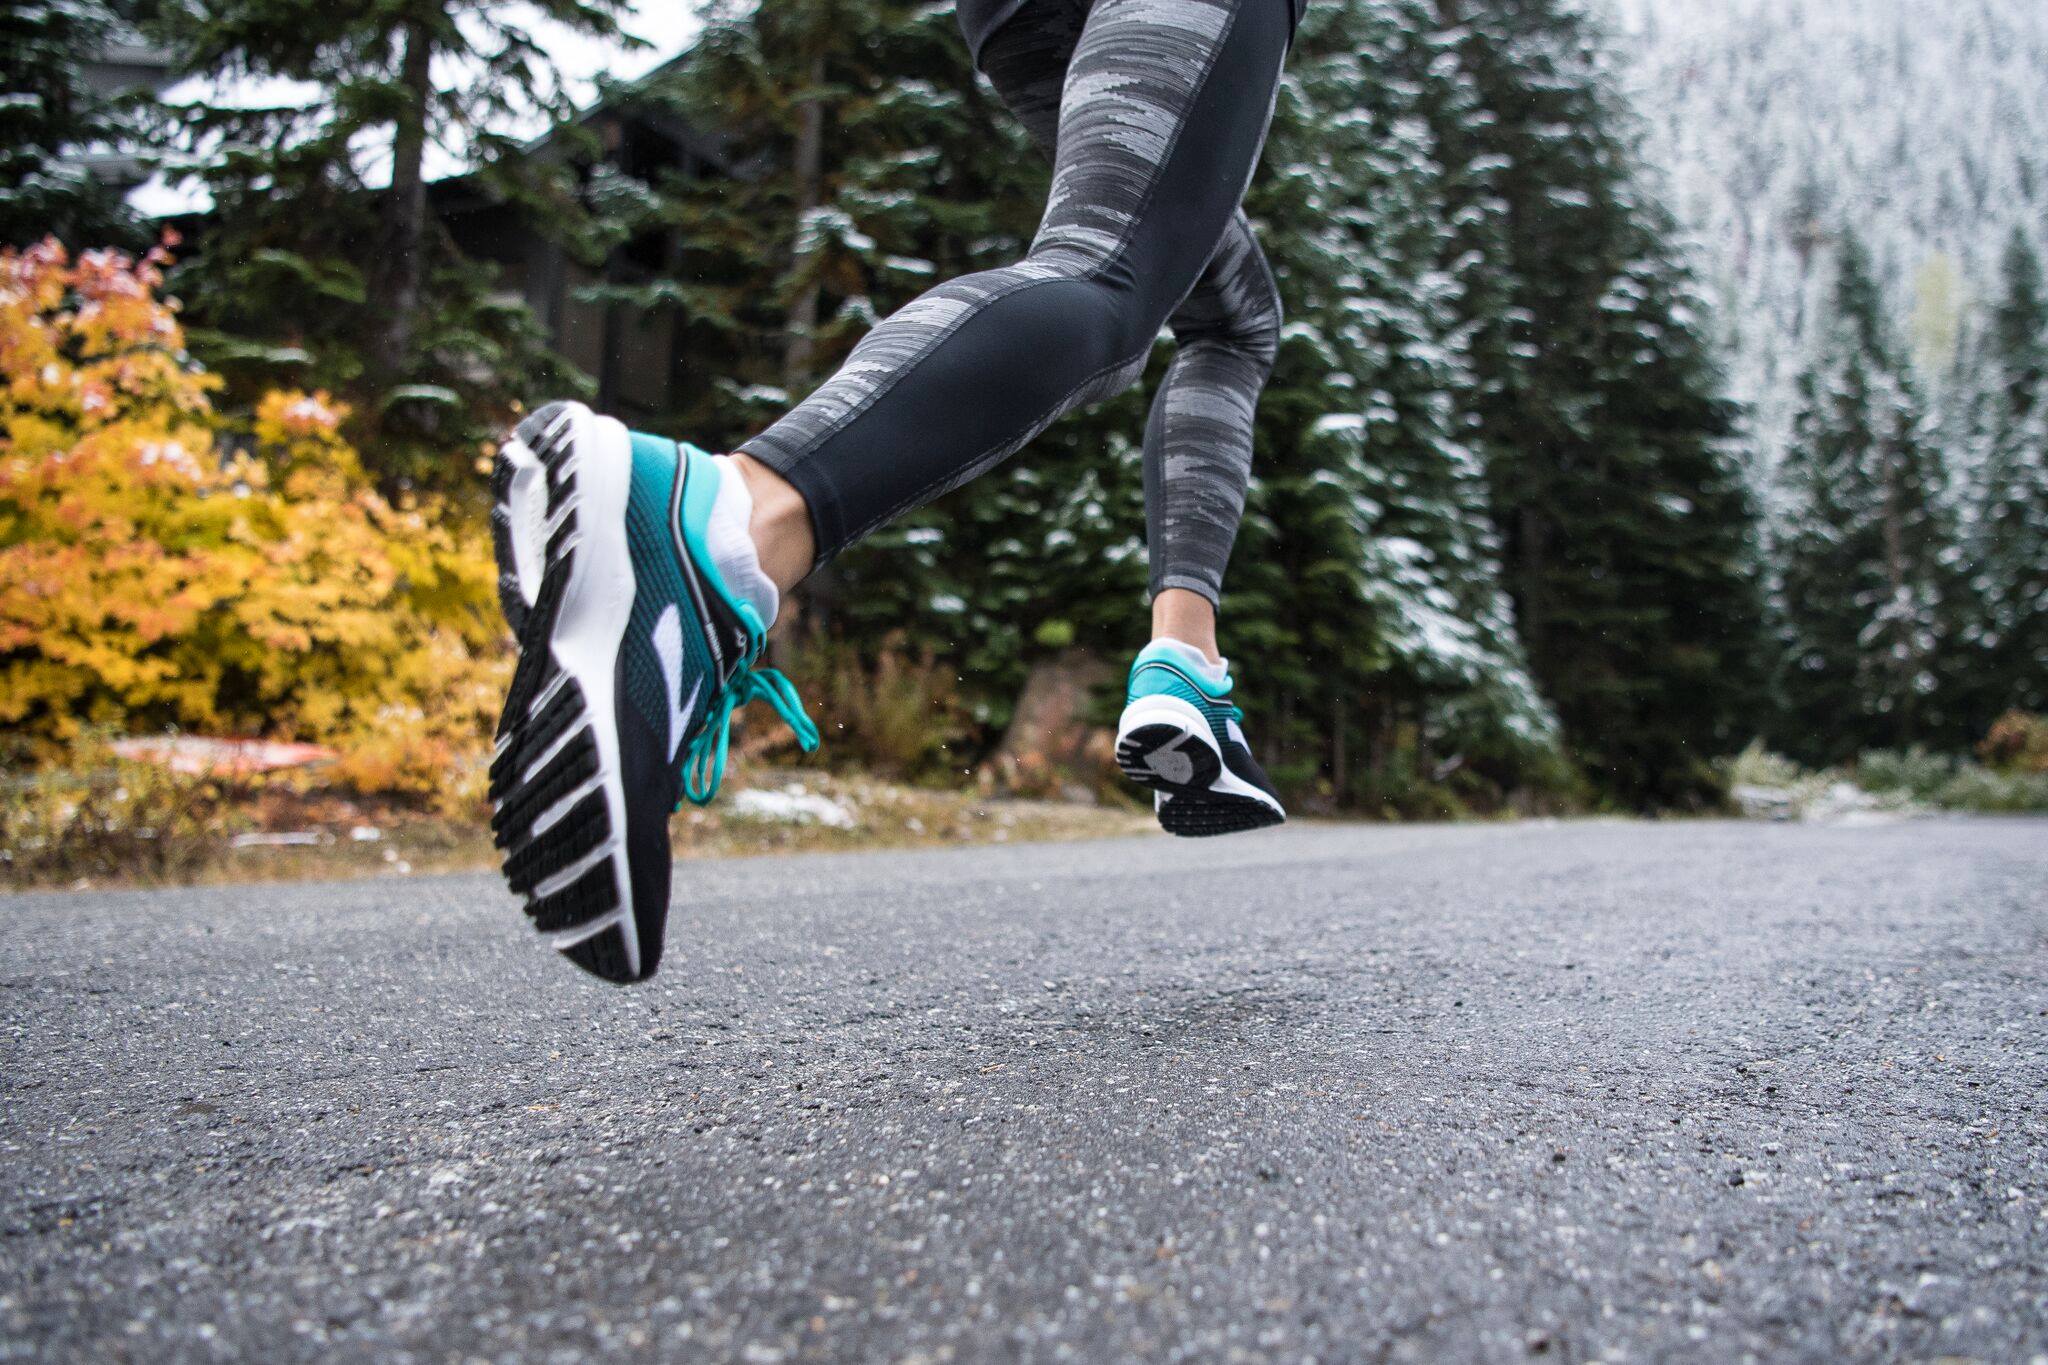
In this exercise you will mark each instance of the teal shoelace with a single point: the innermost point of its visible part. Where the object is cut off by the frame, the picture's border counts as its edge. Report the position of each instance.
(705, 768)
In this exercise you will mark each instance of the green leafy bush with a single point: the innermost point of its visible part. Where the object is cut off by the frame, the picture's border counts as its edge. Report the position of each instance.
(1909, 772)
(1993, 793)
(1757, 766)
(887, 712)
(1903, 778)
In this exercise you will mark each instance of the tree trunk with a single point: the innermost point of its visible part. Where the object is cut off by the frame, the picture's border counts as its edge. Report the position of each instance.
(1051, 749)
(1903, 657)
(797, 356)
(395, 289)
(811, 613)
(1283, 727)
(1340, 768)
(1380, 749)
(1531, 614)
(610, 338)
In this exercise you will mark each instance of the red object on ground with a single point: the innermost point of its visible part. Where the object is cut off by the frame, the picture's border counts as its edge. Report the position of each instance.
(198, 755)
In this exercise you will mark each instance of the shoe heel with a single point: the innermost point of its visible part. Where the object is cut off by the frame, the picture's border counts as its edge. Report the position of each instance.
(1164, 744)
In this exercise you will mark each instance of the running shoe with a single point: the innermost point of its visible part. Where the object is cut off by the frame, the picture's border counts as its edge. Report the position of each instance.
(633, 655)
(1181, 737)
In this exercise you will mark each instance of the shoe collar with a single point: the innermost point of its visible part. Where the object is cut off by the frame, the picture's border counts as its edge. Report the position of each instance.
(743, 679)
(1212, 679)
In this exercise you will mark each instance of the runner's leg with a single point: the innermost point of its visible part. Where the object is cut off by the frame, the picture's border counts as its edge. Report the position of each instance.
(1198, 442)
(1163, 112)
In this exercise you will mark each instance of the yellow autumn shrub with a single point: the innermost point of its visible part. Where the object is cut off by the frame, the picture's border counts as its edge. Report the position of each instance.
(158, 571)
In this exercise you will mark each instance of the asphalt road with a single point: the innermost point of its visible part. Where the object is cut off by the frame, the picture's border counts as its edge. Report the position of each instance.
(1579, 1091)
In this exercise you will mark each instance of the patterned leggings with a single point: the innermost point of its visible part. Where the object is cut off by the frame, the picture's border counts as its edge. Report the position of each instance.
(1154, 112)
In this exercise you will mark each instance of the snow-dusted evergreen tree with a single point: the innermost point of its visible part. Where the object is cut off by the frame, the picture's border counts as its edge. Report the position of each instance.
(321, 262)
(2009, 531)
(1927, 127)
(1628, 527)
(49, 114)
(1372, 545)
(1866, 560)
(838, 119)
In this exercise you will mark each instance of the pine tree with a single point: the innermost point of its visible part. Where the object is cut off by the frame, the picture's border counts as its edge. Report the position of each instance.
(355, 286)
(1866, 562)
(1777, 122)
(49, 114)
(1627, 527)
(2009, 543)
(1371, 545)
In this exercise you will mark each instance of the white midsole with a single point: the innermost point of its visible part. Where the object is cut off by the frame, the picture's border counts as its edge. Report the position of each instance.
(1182, 715)
(597, 606)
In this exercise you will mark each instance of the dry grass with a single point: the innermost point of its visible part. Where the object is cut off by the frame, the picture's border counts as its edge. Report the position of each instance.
(351, 837)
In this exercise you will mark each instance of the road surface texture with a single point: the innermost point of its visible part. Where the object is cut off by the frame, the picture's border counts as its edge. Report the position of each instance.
(1580, 1091)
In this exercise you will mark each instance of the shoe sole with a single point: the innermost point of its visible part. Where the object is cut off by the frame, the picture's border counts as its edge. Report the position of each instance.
(519, 514)
(1165, 744)
(557, 791)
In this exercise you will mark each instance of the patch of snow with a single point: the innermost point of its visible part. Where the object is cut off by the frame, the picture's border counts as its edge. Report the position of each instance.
(1765, 803)
(1817, 802)
(792, 805)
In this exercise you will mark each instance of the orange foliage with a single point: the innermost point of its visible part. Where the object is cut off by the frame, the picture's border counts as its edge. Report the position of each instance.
(2018, 743)
(153, 575)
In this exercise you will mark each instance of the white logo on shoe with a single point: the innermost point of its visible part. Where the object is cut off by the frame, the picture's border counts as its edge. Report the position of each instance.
(668, 648)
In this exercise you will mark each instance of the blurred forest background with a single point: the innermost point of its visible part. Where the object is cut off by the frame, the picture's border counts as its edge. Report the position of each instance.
(1660, 382)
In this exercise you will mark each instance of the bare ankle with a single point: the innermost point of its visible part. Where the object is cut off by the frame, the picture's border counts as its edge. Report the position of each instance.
(1188, 617)
(781, 524)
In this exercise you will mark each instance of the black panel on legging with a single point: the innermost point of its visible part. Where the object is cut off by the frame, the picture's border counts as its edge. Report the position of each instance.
(1166, 109)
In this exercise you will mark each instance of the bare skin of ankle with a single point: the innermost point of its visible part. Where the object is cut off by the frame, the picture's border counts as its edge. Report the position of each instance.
(1189, 618)
(781, 525)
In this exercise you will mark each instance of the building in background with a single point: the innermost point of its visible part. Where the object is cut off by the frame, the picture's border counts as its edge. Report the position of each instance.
(126, 64)
(634, 354)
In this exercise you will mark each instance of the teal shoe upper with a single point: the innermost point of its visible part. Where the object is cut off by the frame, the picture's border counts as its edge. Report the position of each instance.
(1169, 668)
(689, 667)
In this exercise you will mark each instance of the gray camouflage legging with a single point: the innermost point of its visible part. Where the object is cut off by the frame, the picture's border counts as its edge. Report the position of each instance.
(1154, 112)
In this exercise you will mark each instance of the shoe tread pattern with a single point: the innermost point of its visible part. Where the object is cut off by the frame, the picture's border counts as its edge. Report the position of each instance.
(537, 433)
(522, 793)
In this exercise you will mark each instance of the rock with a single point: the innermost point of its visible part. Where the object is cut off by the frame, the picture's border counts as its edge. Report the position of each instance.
(1051, 749)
